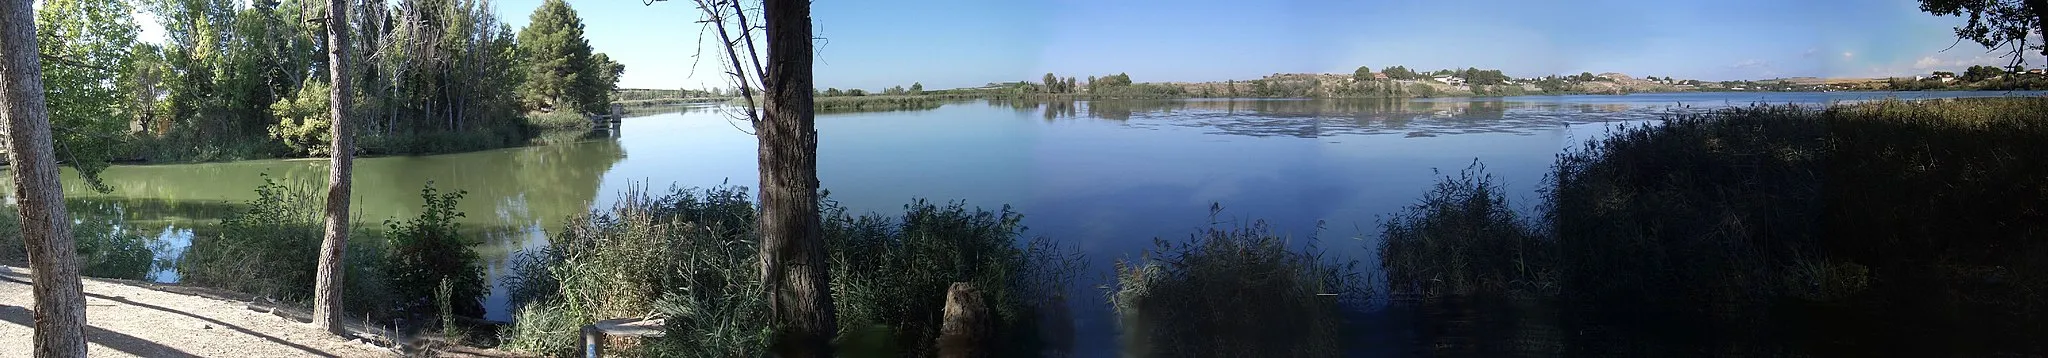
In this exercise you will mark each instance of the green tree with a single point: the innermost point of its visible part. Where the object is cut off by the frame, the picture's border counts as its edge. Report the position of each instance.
(833, 92)
(1362, 74)
(87, 66)
(558, 57)
(916, 88)
(1981, 73)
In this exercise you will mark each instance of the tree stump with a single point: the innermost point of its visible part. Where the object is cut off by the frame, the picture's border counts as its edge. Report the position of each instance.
(966, 328)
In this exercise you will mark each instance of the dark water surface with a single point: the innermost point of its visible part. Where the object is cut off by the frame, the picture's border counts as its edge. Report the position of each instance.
(1105, 177)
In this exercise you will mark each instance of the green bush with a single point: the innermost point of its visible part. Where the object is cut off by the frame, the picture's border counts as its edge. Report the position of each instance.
(109, 250)
(692, 256)
(1234, 292)
(1742, 222)
(272, 249)
(302, 120)
(894, 273)
(427, 252)
(1464, 239)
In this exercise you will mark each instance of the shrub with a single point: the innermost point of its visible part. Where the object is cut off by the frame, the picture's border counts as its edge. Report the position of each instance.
(691, 256)
(427, 253)
(895, 274)
(1232, 293)
(1464, 239)
(302, 120)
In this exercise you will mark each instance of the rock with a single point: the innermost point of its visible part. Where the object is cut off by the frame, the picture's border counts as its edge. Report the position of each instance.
(203, 326)
(966, 330)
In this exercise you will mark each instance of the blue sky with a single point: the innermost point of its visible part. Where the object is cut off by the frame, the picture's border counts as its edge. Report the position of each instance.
(877, 43)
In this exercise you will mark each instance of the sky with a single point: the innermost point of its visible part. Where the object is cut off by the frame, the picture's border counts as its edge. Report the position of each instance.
(873, 44)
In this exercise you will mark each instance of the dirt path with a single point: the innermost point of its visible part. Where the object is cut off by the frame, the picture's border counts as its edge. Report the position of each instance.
(131, 321)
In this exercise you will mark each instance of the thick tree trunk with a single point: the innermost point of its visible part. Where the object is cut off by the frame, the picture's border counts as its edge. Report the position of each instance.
(792, 245)
(45, 227)
(327, 283)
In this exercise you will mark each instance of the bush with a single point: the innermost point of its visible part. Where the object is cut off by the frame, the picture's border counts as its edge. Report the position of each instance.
(272, 250)
(1752, 222)
(1234, 293)
(895, 274)
(302, 121)
(1464, 239)
(691, 256)
(108, 249)
(427, 252)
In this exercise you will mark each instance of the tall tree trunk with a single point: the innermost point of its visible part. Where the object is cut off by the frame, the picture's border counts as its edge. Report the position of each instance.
(45, 227)
(792, 245)
(327, 284)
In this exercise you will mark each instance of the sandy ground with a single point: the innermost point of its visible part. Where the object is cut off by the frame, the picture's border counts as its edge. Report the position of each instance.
(127, 320)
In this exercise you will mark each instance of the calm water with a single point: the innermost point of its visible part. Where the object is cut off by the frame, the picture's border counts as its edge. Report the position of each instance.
(1103, 177)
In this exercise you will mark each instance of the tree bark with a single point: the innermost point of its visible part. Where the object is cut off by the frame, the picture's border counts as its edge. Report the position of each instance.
(792, 246)
(45, 227)
(327, 283)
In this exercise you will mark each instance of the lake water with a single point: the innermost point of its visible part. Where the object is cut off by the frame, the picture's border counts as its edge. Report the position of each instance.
(1104, 177)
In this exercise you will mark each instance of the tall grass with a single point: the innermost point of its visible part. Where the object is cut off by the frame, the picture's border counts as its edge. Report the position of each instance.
(1234, 292)
(1923, 215)
(1464, 239)
(691, 256)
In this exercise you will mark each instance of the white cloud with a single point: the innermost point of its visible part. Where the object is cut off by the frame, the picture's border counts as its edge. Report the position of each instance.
(1848, 55)
(1750, 64)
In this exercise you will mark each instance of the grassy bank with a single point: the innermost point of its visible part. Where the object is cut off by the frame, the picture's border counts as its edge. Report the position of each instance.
(1920, 220)
(690, 255)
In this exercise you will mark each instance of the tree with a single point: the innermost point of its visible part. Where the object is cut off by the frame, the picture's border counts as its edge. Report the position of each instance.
(793, 263)
(916, 88)
(558, 57)
(1981, 72)
(1399, 73)
(39, 193)
(1996, 24)
(88, 45)
(1052, 84)
(334, 243)
(833, 92)
(1362, 74)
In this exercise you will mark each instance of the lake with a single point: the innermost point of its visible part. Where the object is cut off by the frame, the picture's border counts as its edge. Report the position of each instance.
(1104, 177)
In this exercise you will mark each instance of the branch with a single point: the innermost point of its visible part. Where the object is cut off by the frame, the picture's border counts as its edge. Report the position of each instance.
(61, 60)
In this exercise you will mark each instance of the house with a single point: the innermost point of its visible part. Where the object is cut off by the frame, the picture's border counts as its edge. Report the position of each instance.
(1379, 76)
(2034, 71)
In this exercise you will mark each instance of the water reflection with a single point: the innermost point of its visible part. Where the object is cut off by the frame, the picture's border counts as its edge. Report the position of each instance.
(515, 196)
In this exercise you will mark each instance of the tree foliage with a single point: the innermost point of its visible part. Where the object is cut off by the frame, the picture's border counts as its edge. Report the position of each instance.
(87, 73)
(1996, 24)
